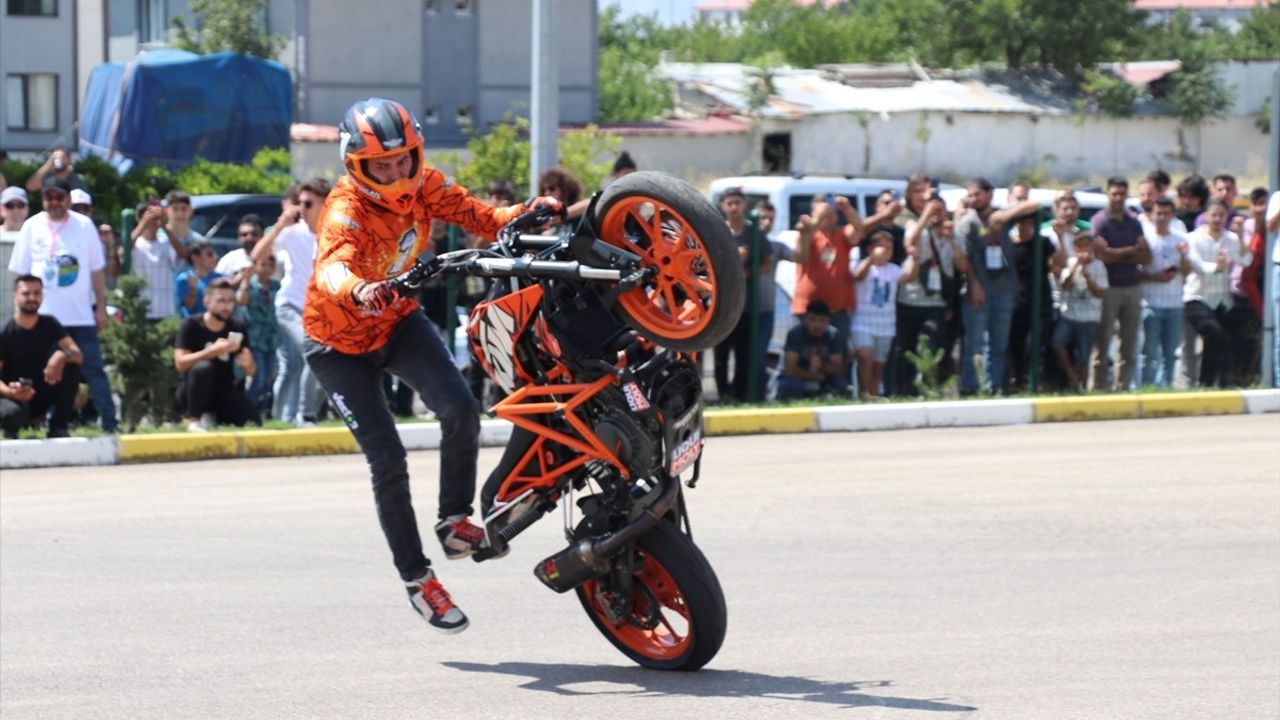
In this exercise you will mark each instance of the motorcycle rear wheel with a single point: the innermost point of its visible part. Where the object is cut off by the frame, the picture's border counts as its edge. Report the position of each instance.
(694, 299)
(678, 615)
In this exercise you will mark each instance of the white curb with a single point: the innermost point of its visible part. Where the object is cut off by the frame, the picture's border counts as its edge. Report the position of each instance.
(1261, 401)
(889, 416)
(973, 414)
(61, 451)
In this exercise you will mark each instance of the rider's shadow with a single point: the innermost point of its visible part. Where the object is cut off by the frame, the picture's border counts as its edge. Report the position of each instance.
(561, 679)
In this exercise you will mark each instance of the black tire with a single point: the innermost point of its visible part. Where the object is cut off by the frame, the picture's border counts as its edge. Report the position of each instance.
(697, 586)
(706, 239)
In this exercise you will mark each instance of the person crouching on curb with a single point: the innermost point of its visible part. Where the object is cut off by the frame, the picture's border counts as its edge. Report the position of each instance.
(203, 353)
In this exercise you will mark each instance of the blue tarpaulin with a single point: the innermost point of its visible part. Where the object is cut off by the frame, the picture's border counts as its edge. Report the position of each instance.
(169, 107)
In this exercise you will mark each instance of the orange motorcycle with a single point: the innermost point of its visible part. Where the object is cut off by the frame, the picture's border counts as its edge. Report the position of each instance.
(591, 335)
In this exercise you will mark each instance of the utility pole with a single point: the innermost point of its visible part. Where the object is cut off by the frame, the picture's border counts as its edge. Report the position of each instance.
(1269, 319)
(544, 89)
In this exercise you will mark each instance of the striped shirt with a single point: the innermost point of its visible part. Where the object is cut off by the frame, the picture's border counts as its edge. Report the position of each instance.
(156, 262)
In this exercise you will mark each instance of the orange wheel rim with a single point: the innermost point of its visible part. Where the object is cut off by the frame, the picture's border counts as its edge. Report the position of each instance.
(659, 626)
(678, 301)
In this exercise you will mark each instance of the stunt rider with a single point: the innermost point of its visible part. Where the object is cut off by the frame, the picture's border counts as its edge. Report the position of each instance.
(374, 225)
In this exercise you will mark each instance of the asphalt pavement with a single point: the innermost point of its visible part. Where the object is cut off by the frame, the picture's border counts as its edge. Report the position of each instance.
(1126, 569)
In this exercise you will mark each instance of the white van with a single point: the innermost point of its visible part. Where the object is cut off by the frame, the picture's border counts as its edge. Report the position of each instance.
(792, 195)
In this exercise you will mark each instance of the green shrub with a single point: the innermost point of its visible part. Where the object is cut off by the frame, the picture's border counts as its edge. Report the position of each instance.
(140, 353)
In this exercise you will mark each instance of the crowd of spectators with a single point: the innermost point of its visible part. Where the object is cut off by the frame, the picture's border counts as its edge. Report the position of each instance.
(1121, 299)
(1168, 294)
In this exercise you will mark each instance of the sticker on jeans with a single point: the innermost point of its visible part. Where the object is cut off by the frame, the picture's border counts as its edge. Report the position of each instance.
(995, 257)
(340, 404)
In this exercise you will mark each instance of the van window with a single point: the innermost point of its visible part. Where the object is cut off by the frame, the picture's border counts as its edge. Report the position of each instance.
(803, 204)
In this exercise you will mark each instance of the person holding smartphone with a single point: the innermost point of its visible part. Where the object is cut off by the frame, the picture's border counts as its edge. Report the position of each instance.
(39, 365)
(203, 352)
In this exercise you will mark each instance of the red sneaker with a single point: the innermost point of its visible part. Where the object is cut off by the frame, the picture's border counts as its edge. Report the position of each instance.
(430, 600)
(459, 537)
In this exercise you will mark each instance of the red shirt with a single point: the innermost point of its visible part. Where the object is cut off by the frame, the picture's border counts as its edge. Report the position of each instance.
(825, 276)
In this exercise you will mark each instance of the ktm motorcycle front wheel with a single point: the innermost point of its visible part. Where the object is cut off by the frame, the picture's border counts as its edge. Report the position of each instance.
(694, 292)
(677, 612)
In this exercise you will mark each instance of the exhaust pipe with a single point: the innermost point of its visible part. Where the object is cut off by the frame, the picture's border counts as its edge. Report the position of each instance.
(590, 557)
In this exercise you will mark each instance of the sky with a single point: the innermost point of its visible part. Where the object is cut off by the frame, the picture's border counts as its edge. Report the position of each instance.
(669, 11)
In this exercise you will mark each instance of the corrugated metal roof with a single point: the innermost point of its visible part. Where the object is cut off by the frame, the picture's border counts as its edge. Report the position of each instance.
(799, 92)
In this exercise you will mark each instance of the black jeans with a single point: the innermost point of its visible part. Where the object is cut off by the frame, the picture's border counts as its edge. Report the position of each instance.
(1244, 328)
(61, 397)
(1210, 325)
(415, 353)
(914, 321)
(202, 390)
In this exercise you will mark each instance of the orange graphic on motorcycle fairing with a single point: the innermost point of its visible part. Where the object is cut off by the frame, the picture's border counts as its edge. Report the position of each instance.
(495, 328)
(360, 241)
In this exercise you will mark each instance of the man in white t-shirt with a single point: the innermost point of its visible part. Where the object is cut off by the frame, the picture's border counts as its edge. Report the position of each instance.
(238, 264)
(292, 241)
(156, 257)
(63, 249)
(1162, 280)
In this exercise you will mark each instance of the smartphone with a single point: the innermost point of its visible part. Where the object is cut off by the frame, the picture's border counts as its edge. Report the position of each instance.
(153, 202)
(235, 337)
(26, 382)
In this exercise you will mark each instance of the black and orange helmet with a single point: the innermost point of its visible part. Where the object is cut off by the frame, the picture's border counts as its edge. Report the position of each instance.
(378, 128)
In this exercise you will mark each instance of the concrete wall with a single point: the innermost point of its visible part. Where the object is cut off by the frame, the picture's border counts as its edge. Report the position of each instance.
(36, 44)
(696, 158)
(1003, 146)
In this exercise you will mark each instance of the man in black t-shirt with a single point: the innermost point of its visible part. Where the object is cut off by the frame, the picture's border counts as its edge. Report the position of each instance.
(39, 365)
(204, 350)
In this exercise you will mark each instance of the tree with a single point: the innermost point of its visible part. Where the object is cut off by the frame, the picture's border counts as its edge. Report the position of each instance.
(503, 153)
(140, 354)
(630, 90)
(1197, 95)
(221, 25)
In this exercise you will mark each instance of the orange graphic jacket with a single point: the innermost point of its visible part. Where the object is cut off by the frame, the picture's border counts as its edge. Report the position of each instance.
(358, 240)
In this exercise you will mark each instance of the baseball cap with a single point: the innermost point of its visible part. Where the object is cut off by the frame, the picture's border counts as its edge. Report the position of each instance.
(80, 197)
(11, 193)
(53, 182)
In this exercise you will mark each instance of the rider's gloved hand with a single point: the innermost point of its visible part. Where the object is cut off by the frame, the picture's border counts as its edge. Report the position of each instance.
(547, 205)
(376, 296)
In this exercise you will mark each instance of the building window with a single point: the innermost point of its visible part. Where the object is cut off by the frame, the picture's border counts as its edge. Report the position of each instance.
(152, 23)
(47, 8)
(431, 115)
(431, 6)
(31, 102)
(462, 7)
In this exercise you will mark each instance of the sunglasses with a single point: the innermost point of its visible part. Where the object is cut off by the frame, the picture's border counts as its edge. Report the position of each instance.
(15, 205)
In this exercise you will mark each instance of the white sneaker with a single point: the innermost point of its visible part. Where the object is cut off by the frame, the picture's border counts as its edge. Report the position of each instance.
(196, 426)
(300, 423)
(209, 421)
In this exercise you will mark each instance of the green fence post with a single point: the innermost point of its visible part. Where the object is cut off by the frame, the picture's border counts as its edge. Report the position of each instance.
(753, 309)
(126, 241)
(1037, 299)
